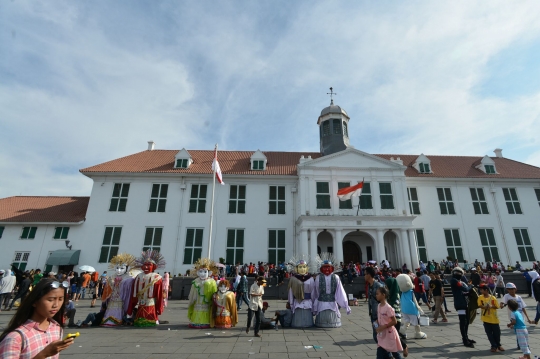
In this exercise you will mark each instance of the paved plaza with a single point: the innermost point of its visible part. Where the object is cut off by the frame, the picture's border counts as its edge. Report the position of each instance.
(352, 340)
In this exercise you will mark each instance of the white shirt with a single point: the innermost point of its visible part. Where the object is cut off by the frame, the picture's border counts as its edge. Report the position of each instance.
(256, 302)
(518, 299)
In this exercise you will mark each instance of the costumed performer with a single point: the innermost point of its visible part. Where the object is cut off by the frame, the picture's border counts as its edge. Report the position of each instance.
(117, 291)
(147, 290)
(200, 295)
(410, 310)
(224, 313)
(301, 287)
(328, 294)
(461, 292)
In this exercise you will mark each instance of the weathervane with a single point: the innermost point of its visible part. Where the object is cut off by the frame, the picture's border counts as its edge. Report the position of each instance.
(331, 93)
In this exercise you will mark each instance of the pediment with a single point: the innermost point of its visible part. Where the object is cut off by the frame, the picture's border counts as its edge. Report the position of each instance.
(183, 153)
(352, 158)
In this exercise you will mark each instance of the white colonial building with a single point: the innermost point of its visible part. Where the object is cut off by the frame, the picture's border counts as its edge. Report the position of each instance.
(278, 204)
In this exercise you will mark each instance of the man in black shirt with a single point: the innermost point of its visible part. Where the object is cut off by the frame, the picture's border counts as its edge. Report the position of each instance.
(475, 277)
(436, 290)
(23, 290)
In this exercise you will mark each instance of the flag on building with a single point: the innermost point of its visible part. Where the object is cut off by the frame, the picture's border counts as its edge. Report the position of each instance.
(347, 193)
(216, 168)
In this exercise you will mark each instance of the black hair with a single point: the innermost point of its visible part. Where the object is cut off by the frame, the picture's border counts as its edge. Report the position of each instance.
(26, 309)
(513, 305)
(384, 291)
(370, 271)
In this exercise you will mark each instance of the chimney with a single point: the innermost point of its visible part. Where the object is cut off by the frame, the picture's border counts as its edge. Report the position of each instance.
(151, 145)
(498, 153)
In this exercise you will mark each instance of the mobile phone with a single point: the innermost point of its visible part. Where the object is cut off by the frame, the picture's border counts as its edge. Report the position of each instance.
(72, 335)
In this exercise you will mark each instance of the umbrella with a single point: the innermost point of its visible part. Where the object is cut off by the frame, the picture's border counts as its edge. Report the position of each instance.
(219, 265)
(372, 262)
(86, 268)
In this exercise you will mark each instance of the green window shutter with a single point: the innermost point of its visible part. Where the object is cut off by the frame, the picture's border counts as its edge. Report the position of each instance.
(239, 237)
(385, 188)
(188, 254)
(537, 192)
(495, 254)
(241, 206)
(144, 249)
(233, 192)
(104, 255)
(107, 236)
(444, 209)
(232, 206)
(179, 165)
(194, 191)
(197, 254)
(202, 206)
(281, 255)
(125, 189)
(365, 202)
(112, 253)
(190, 237)
(459, 253)
(448, 194)
(116, 236)
(272, 255)
(272, 239)
(157, 236)
(162, 203)
(517, 206)
(522, 254)
(229, 258)
(202, 193)
(440, 194)
(231, 234)
(366, 189)
(281, 193)
(448, 237)
(116, 190)
(114, 205)
(323, 187)
(481, 194)
(477, 209)
(148, 236)
(519, 239)
(57, 232)
(199, 237)
(490, 237)
(526, 239)
(185, 163)
(457, 240)
(192, 206)
(153, 205)
(239, 255)
(122, 205)
(420, 238)
(483, 205)
(473, 194)
(281, 207)
(1, 231)
(422, 253)
(164, 191)
(513, 194)
(510, 208)
(451, 209)
(506, 194)
(281, 239)
(414, 194)
(426, 168)
(416, 208)
(483, 237)
(273, 192)
(530, 254)
(241, 192)
(155, 190)
(65, 232)
(272, 207)
(421, 168)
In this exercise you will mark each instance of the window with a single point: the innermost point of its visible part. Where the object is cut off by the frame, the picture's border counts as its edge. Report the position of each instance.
(337, 126)
(490, 169)
(28, 233)
(453, 244)
(536, 190)
(387, 200)
(119, 197)
(258, 165)
(111, 243)
(276, 246)
(445, 201)
(512, 202)
(414, 205)
(235, 246)
(193, 248)
(21, 260)
(158, 198)
(479, 201)
(152, 239)
(61, 232)
(1, 231)
(323, 195)
(348, 203)
(197, 203)
(487, 239)
(525, 248)
(424, 167)
(182, 163)
(421, 245)
(326, 128)
(345, 131)
(365, 197)
(237, 199)
(277, 200)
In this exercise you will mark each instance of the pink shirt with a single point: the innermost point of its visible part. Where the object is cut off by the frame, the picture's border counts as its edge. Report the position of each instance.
(35, 340)
(388, 338)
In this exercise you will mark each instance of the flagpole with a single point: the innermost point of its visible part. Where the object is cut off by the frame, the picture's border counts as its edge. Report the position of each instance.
(212, 204)
(358, 210)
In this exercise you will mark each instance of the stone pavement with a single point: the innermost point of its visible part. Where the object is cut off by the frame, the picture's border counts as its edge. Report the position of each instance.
(352, 340)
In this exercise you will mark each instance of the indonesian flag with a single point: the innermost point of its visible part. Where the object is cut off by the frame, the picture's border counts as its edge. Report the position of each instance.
(346, 193)
(216, 169)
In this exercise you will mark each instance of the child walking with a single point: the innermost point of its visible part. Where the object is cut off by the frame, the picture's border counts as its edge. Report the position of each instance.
(35, 331)
(387, 335)
(516, 322)
(488, 304)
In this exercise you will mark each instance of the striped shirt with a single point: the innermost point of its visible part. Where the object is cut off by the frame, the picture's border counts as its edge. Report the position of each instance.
(35, 340)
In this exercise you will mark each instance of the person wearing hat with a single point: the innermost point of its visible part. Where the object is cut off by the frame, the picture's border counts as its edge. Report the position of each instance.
(488, 305)
(512, 289)
(475, 277)
(267, 323)
(256, 305)
(460, 290)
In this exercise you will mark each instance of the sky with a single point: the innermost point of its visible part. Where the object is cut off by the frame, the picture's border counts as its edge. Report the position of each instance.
(85, 82)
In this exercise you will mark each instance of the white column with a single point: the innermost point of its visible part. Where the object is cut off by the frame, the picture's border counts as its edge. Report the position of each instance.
(414, 250)
(313, 243)
(303, 245)
(406, 251)
(399, 253)
(380, 245)
(375, 197)
(338, 246)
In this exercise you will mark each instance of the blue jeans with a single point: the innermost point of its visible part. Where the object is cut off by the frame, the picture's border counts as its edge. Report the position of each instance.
(422, 296)
(241, 296)
(537, 312)
(83, 292)
(383, 354)
(89, 318)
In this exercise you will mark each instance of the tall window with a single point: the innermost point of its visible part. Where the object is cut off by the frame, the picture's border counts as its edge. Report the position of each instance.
(525, 248)
(197, 203)
(424, 167)
(276, 204)
(119, 197)
(479, 201)
(61, 232)
(158, 198)
(193, 248)
(489, 246)
(387, 199)
(20, 260)
(348, 203)
(237, 199)
(111, 243)
(421, 245)
(182, 163)
(512, 202)
(490, 169)
(235, 246)
(323, 195)
(28, 233)
(536, 190)
(1, 231)
(152, 239)
(326, 128)
(453, 244)
(258, 165)
(345, 131)
(337, 126)
(276, 246)
(365, 197)
(414, 205)
(445, 201)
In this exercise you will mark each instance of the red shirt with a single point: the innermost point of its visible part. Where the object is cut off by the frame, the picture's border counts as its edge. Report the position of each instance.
(35, 340)
(418, 285)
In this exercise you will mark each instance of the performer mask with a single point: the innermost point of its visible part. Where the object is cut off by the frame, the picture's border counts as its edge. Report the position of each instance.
(203, 273)
(148, 267)
(120, 269)
(302, 269)
(327, 269)
(223, 289)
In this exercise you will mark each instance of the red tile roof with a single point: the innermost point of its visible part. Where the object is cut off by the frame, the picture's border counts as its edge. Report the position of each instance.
(284, 163)
(43, 209)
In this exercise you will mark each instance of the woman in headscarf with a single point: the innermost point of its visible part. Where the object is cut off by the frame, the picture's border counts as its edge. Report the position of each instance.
(393, 300)
(535, 288)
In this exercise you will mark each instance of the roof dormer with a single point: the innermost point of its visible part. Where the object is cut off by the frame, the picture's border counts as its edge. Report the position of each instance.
(487, 165)
(423, 164)
(182, 159)
(258, 161)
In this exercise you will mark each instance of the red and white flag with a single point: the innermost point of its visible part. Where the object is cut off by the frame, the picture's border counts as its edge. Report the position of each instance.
(216, 168)
(347, 193)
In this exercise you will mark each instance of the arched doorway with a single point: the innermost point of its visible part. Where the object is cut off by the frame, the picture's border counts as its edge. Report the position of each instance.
(325, 242)
(358, 246)
(391, 249)
(351, 253)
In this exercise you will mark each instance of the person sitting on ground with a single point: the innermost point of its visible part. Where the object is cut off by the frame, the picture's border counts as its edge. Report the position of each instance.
(284, 317)
(267, 323)
(94, 318)
(69, 314)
